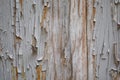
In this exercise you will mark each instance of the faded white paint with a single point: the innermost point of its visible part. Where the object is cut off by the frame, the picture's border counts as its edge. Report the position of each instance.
(59, 39)
(103, 36)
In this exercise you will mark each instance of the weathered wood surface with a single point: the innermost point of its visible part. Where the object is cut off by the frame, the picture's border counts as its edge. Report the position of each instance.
(59, 39)
(103, 33)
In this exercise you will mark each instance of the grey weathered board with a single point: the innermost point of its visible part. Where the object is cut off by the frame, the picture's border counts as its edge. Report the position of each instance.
(59, 39)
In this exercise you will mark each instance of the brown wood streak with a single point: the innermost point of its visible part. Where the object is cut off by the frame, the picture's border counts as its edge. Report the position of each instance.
(34, 41)
(83, 27)
(94, 12)
(45, 9)
(92, 27)
(38, 70)
(84, 44)
(14, 13)
(94, 67)
(23, 73)
(21, 2)
(43, 75)
(71, 65)
(14, 72)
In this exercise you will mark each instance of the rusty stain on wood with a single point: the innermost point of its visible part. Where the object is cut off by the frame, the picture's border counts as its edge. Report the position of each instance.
(44, 14)
(39, 70)
(66, 22)
(21, 2)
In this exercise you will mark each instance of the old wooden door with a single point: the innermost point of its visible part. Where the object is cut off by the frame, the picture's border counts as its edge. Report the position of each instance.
(59, 39)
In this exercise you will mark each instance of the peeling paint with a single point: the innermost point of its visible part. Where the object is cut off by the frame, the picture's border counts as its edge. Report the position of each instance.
(59, 39)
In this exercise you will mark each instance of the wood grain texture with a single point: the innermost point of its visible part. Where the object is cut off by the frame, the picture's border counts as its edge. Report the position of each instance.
(59, 39)
(103, 56)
